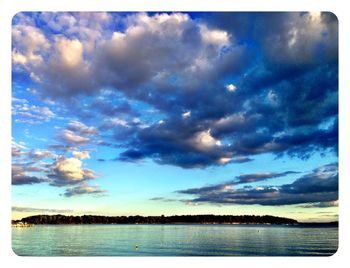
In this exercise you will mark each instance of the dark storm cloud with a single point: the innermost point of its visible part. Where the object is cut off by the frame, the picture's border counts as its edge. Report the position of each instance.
(286, 38)
(248, 83)
(309, 37)
(321, 185)
(323, 179)
(278, 109)
(192, 147)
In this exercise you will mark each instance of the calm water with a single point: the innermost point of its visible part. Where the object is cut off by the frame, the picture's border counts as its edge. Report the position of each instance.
(173, 240)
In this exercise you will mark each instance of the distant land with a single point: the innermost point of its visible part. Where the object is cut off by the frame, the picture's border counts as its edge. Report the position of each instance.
(177, 219)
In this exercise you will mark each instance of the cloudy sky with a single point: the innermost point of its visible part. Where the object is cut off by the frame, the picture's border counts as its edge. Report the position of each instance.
(175, 113)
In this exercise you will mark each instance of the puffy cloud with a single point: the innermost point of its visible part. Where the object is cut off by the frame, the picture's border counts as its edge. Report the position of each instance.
(195, 48)
(214, 37)
(285, 68)
(188, 148)
(28, 167)
(302, 37)
(203, 141)
(286, 37)
(66, 171)
(70, 51)
(29, 43)
(319, 186)
(139, 69)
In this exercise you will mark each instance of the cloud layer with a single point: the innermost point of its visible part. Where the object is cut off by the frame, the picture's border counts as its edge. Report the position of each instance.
(208, 84)
(318, 187)
(190, 90)
(61, 167)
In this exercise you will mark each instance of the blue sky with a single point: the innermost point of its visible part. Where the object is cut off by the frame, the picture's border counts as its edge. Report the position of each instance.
(175, 113)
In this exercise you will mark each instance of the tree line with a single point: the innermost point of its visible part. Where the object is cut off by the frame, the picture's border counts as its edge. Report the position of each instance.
(178, 219)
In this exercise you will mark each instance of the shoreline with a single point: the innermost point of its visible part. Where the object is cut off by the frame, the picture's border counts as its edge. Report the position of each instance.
(166, 220)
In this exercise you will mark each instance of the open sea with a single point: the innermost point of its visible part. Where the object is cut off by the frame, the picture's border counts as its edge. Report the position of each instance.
(174, 240)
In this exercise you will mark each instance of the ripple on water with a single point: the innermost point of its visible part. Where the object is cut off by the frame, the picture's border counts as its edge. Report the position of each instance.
(173, 240)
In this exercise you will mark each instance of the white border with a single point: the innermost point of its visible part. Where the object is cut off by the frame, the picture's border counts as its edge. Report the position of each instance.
(8, 8)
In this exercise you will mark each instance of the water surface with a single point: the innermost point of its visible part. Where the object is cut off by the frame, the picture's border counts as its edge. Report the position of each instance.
(174, 240)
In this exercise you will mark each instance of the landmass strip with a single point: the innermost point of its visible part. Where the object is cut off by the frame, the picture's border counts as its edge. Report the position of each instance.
(177, 219)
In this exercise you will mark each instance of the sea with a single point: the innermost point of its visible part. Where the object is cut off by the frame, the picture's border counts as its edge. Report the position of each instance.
(174, 240)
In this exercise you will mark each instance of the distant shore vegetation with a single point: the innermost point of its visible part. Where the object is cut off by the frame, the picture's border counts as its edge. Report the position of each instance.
(177, 219)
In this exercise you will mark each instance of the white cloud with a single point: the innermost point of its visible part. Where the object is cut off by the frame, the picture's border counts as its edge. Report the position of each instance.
(231, 87)
(41, 154)
(66, 171)
(18, 58)
(272, 97)
(84, 189)
(17, 149)
(70, 51)
(35, 77)
(81, 128)
(214, 37)
(203, 141)
(186, 114)
(72, 138)
(31, 114)
(81, 155)
(224, 160)
(30, 42)
(69, 168)
(90, 57)
(118, 122)
(231, 120)
(301, 34)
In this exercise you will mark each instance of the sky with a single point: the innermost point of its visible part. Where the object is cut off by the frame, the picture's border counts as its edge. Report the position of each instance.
(175, 113)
